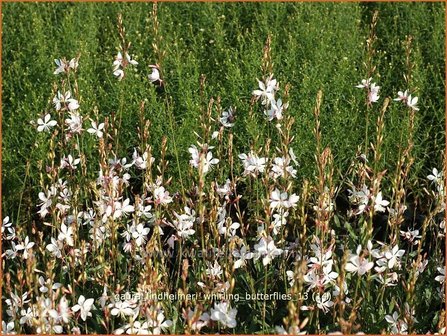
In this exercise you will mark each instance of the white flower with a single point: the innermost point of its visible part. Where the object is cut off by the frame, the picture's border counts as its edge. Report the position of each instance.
(185, 223)
(66, 234)
(402, 96)
(197, 321)
(45, 285)
(227, 118)
(123, 208)
(121, 308)
(119, 73)
(155, 74)
(397, 326)
(290, 277)
(441, 278)
(25, 246)
(204, 158)
(243, 254)
(46, 123)
(360, 198)
(282, 199)
(380, 203)
(96, 129)
(267, 249)
(84, 306)
(159, 323)
(69, 162)
(65, 100)
(63, 66)
(224, 314)
(281, 168)
(365, 83)
(371, 88)
(139, 234)
(411, 235)
(161, 196)
(214, 271)
(276, 110)
(266, 90)
(358, 264)
(141, 162)
(393, 256)
(436, 176)
(8, 328)
(225, 189)
(373, 94)
(55, 248)
(324, 301)
(292, 331)
(138, 328)
(407, 99)
(222, 224)
(279, 220)
(412, 103)
(121, 63)
(329, 275)
(74, 123)
(253, 164)
(26, 316)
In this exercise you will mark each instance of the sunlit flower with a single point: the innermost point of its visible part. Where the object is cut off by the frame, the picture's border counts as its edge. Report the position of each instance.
(380, 203)
(281, 168)
(373, 94)
(411, 236)
(224, 314)
(69, 162)
(266, 91)
(282, 199)
(120, 63)
(121, 308)
(46, 123)
(266, 249)
(435, 176)
(371, 88)
(154, 76)
(407, 99)
(253, 164)
(55, 248)
(204, 158)
(65, 234)
(161, 196)
(8, 328)
(441, 278)
(198, 321)
(96, 129)
(63, 66)
(185, 222)
(84, 306)
(25, 246)
(364, 84)
(358, 264)
(65, 101)
(292, 331)
(279, 220)
(324, 301)
(394, 256)
(276, 110)
(74, 123)
(242, 256)
(139, 234)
